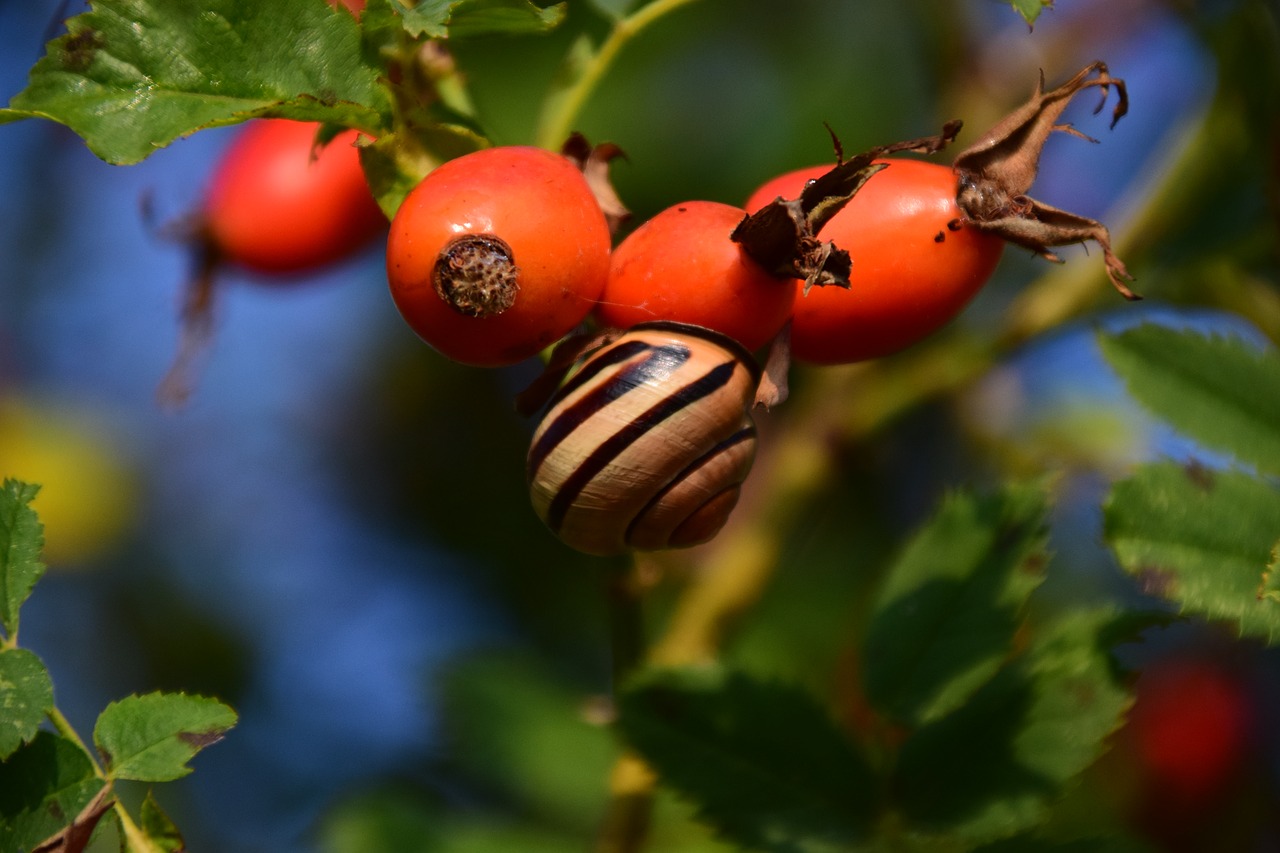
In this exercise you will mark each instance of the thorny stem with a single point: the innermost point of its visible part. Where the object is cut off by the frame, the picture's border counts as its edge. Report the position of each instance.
(138, 841)
(556, 126)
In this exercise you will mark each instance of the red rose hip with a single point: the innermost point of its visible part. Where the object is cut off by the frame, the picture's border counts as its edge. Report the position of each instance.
(681, 266)
(498, 254)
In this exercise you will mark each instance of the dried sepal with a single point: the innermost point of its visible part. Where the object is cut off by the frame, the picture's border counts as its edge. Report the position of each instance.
(1009, 153)
(1037, 226)
(996, 172)
(195, 327)
(783, 235)
(779, 239)
(774, 388)
(594, 162)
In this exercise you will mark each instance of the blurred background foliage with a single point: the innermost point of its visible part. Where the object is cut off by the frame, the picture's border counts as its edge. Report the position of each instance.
(334, 535)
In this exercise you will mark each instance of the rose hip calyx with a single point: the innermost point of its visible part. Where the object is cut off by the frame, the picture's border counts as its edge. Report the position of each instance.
(476, 275)
(996, 172)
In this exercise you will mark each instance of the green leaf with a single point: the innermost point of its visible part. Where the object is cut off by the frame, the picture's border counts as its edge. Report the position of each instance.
(1031, 9)
(43, 787)
(26, 695)
(522, 729)
(992, 767)
(21, 538)
(763, 764)
(1220, 391)
(1201, 538)
(158, 827)
(471, 18)
(151, 738)
(1271, 579)
(396, 163)
(382, 30)
(131, 76)
(951, 603)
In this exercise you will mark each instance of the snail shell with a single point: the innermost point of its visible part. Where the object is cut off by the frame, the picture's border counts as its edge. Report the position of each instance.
(647, 444)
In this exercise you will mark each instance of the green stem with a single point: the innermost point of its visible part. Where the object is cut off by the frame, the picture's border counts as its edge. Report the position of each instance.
(63, 727)
(557, 124)
(626, 821)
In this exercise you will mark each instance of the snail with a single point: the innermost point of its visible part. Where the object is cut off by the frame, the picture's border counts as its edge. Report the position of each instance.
(647, 444)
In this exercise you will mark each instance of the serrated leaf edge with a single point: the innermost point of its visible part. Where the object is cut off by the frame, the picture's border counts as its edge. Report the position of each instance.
(195, 739)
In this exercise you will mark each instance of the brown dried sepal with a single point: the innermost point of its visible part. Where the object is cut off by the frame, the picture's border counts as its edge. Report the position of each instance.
(593, 161)
(196, 316)
(783, 235)
(774, 387)
(996, 172)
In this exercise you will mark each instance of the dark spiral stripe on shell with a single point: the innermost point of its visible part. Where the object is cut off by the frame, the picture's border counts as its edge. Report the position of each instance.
(633, 431)
(660, 362)
(747, 433)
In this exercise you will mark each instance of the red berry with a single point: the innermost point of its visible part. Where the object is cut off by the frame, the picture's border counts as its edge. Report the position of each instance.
(916, 263)
(1191, 723)
(498, 254)
(275, 205)
(682, 266)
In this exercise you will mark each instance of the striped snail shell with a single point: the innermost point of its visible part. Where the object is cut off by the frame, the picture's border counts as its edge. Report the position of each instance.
(648, 442)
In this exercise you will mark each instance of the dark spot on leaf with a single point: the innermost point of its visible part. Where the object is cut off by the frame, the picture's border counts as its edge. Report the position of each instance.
(1157, 581)
(1200, 476)
(1085, 692)
(202, 739)
(1008, 535)
(1021, 639)
(79, 49)
(1033, 564)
